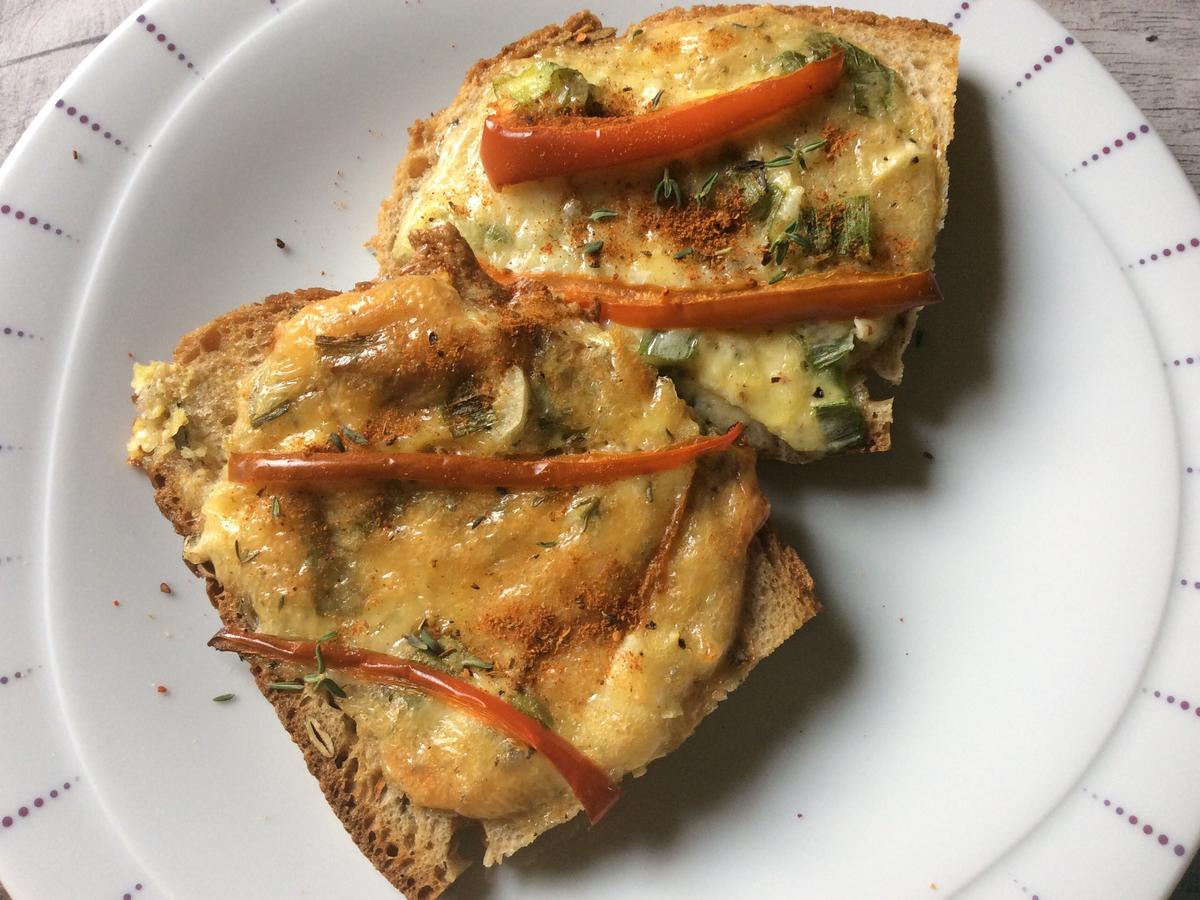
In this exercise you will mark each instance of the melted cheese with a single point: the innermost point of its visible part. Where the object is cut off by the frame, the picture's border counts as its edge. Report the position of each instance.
(542, 226)
(551, 587)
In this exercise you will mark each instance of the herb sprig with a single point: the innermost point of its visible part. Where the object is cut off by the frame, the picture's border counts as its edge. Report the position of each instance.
(667, 190)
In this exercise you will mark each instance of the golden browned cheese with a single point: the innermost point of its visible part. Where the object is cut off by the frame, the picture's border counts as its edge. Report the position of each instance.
(605, 609)
(887, 154)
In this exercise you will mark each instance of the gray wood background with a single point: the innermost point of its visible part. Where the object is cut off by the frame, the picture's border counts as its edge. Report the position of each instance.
(1152, 48)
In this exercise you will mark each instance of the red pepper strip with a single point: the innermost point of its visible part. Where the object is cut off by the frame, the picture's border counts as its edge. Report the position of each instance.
(513, 151)
(595, 791)
(460, 470)
(814, 297)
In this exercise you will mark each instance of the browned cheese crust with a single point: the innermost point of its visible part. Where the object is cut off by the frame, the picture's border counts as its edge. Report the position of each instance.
(417, 849)
(926, 56)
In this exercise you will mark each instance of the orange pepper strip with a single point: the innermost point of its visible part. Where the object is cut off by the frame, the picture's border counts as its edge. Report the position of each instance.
(460, 470)
(835, 296)
(591, 785)
(513, 151)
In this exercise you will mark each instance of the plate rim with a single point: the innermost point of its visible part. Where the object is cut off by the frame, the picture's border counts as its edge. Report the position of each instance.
(106, 54)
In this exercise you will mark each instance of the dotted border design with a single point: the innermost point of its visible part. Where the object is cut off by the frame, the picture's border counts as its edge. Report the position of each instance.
(1167, 252)
(1148, 830)
(168, 45)
(20, 215)
(962, 8)
(1117, 143)
(85, 120)
(16, 676)
(1025, 889)
(1184, 361)
(39, 801)
(1047, 58)
(128, 895)
(1182, 705)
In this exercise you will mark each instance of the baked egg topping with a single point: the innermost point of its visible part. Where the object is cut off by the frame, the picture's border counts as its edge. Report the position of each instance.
(850, 181)
(605, 610)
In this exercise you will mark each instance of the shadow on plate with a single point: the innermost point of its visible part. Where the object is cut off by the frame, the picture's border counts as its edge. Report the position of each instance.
(724, 752)
(953, 358)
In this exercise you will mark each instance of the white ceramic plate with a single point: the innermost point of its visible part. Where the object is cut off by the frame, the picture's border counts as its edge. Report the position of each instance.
(1001, 696)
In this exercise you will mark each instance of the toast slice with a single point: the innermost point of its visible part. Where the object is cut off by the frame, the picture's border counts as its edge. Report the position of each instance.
(855, 183)
(192, 411)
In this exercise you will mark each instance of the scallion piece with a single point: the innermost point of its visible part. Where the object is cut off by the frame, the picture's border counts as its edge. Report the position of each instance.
(826, 349)
(854, 231)
(842, 424)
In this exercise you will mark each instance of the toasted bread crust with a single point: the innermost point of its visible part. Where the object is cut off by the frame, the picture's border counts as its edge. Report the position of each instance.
(415, 848)
(924, 53)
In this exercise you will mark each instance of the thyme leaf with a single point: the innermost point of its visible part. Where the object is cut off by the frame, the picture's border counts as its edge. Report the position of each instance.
(354, 435)
(271, 414)
(706, 188)
(667, 190)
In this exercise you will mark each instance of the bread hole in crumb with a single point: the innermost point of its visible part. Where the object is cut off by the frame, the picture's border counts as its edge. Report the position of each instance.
(425, 892)
(158, 481)
(392, 850)
(468, 841)
(370, 837)
(409, 842)
(228, 419)
(211, 340)
(918, 63)
(439, 872)
(429, 845)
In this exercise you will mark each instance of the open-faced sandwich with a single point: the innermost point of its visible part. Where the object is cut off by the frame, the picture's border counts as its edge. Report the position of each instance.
(749, 194)
(481, 558)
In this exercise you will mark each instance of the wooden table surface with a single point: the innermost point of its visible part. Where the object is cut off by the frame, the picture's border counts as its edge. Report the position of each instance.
(1151, 48)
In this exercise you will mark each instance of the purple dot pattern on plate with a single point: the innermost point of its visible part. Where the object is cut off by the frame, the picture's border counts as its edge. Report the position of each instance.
(959, 11)
(15, 678)
(1111, 147)
(1176, 249)
(94, 126)
(1138, 825)
(12, 331)
(1025, 890)
(15, 214)
(1043, 63)
(9, 820)
(160, 38)
(1183, 705)
(128, 895)
(1183, 361)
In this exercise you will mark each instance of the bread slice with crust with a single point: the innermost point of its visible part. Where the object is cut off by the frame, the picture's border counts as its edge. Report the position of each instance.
(922, 55)
(417, 848)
